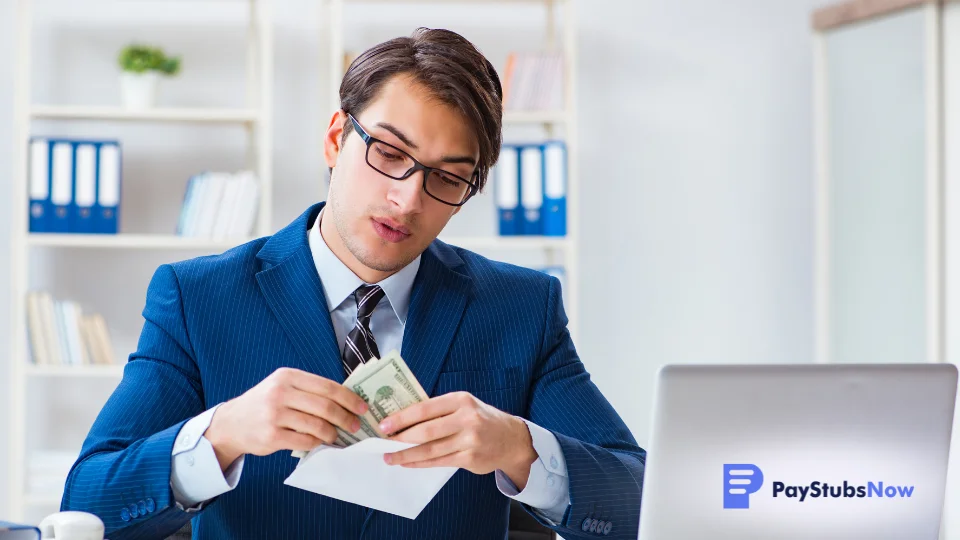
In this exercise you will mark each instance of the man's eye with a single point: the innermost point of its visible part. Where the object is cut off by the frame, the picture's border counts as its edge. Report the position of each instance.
(388, 155)
(449, 180)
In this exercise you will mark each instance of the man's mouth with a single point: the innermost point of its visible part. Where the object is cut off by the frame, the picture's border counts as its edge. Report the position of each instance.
(390, 230)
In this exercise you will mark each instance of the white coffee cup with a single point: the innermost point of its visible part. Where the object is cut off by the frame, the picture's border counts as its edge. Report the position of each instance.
(71, 526)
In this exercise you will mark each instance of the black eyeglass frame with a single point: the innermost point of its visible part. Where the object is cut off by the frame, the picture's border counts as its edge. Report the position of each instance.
(417, 166)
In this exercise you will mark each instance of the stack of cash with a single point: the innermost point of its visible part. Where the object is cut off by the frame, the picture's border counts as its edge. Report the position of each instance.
(387, 385)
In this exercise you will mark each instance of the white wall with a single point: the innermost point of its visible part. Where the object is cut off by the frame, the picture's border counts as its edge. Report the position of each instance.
(696, 167)
(6, 148)
(711, 205)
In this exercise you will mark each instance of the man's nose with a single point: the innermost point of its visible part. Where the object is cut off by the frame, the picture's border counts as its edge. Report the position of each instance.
(407, 193)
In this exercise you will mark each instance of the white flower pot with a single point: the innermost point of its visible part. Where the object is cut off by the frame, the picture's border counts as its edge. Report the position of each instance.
(139, 90)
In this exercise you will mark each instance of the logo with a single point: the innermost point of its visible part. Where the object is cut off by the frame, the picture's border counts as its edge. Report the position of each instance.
(739, 481)
(847, 491)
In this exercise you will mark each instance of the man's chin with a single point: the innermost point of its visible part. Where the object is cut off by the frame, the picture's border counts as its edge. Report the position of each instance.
(385, 262)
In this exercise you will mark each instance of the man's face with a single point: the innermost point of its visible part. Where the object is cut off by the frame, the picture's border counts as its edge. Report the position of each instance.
(385, 223)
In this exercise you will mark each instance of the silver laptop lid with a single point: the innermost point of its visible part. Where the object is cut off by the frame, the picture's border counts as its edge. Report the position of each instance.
(798, 452)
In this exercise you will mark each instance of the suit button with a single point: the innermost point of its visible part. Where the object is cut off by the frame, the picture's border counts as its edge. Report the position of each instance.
(585, 526)
(600, 525)
(133, 511)
(142, 508)
(593, 525)
(125, 514)
(554, 463)
(151, 506)
(607, 528)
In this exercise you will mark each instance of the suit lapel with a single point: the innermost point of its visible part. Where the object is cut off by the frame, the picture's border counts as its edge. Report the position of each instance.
(437, 303)
(293, 291)
(292, 288)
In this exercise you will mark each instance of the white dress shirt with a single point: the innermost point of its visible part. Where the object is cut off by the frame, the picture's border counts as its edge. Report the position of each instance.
(196, 476)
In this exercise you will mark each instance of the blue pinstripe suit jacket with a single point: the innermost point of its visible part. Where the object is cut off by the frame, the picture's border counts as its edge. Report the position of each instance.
(216, 326)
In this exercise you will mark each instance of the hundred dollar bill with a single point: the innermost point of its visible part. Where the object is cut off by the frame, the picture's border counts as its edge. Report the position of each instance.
(387, 385)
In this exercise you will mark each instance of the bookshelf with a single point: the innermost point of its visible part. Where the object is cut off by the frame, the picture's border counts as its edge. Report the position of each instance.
(562, 251)
(240, 116)
(132, 241)
(255, 118)
(74, 371)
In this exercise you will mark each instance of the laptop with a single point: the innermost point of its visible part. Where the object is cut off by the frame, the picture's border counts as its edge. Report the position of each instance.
(798, 452)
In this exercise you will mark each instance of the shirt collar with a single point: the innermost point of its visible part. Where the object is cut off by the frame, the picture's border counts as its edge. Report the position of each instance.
(339, 282)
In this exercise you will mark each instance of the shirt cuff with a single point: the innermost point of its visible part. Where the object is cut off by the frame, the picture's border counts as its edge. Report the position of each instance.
(195, 475)
(548, 488)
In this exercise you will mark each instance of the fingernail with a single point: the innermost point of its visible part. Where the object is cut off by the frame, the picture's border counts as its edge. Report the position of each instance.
(388, 459)
(362, 408)
(355, 426)
(386, 426)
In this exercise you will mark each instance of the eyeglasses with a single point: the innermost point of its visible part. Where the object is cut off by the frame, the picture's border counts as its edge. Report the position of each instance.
(394, 163)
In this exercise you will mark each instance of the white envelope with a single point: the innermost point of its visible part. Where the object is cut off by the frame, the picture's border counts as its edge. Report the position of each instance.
(358, 474)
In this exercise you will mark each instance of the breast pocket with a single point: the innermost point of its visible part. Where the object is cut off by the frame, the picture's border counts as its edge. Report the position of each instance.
(504, 389)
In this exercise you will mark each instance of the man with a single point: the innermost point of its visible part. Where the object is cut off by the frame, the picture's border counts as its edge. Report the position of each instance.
(242, 355)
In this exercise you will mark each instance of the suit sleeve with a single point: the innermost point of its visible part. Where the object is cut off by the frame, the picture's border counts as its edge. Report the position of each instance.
(604, 465)
(123, 472)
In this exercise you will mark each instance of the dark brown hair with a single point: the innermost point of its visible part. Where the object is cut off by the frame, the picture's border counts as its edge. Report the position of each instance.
(450, 67)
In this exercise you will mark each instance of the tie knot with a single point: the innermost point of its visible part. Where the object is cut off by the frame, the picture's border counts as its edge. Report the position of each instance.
(367, 298)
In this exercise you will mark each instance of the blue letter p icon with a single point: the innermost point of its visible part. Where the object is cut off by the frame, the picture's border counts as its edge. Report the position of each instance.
(739, 481)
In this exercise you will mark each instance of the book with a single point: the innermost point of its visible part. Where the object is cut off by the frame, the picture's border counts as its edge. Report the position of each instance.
(533, 81)
(219, 205)
(60, 333)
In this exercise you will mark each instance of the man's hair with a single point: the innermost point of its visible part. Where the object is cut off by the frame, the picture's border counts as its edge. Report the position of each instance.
(449, 67)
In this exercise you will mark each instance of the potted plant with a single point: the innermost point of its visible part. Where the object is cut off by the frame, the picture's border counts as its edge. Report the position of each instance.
(141, 67)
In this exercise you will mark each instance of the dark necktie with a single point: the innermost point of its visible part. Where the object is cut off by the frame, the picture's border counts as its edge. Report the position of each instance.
(360, 346)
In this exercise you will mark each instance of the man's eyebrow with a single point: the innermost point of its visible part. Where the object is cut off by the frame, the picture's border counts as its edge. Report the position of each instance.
(399, 134)
(469, 160)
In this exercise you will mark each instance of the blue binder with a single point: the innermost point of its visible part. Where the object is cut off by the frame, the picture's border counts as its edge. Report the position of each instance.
(560, 273)
(507, 191)
(554, 213)
(107, 207)
(84, 187)
(61, 186)
(15, 531)
(39, 189)
(531, 189)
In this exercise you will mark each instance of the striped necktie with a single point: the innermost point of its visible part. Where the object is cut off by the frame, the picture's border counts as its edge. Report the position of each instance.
(360, 345)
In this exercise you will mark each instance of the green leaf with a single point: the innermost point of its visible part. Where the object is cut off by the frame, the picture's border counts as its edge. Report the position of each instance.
(136, 58)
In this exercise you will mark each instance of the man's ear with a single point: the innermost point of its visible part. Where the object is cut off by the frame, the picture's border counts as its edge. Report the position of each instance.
(333, 138)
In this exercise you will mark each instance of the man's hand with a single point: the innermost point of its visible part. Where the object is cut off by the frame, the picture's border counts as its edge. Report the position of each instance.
(459, 430)
(289, 410)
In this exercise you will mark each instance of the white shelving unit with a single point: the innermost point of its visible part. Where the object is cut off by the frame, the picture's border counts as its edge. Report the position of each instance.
(74, 371)
(243, 116)
(256, 117)
(131, 241)
(558, 250)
